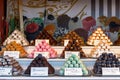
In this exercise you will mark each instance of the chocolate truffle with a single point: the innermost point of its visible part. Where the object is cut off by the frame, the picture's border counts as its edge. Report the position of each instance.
(45, 35)
(73, 45)
(42, 63)
(105, 60)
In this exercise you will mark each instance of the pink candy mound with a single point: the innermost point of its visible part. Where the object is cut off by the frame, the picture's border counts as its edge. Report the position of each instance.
(43, 46)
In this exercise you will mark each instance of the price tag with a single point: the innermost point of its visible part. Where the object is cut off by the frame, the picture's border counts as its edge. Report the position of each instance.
(69, 53)
(73, 72)
(4, 71)
(14, 54)
(37, 41)
(66, 42)
(110, 71)
(39, 71)
(45, 54)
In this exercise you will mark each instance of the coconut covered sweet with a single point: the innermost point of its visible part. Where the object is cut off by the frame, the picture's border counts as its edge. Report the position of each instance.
(18, 37)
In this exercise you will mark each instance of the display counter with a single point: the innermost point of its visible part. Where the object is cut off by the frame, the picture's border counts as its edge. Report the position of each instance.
(57, 63)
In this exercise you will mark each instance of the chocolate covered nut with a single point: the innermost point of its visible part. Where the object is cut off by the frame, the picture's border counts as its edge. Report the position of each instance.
(105, 61)
(40, 62)
(11, 62)
(73, 46)
(45, 35)
(72, 36)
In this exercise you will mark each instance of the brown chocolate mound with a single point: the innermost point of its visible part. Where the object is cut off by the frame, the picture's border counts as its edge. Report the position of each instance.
(45, 35)
(40, 61)
(73, 45)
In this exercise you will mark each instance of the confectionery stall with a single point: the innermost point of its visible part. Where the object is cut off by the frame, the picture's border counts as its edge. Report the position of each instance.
(61, 40)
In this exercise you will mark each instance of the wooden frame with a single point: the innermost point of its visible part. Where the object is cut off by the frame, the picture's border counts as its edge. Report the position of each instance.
(20, 16)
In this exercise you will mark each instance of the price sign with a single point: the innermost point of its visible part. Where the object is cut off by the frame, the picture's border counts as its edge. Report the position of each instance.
(45, 54)
(14, 54)
(110, 71)
(39, 71)
(73, 72)
(69, 53)
(4, 71)
(37, 41)
(66, 42)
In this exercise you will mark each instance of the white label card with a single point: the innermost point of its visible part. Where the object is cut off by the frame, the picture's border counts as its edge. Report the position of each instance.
(45, 54)
(37, 41)
(14, 54)
(4, 71)
(39, 71)
(69, 53)
(110, 71)
(73, 72)
(66, 42)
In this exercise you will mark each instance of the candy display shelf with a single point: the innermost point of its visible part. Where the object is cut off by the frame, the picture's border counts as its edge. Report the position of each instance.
(86, 49)
(57, 63)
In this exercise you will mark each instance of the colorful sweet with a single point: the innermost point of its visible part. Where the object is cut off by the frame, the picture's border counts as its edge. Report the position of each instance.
(105, 60)
(13, 46)
(45, 35)
(73, 36)
(40, 61)
(73, 62)
(73, 45)
(7, 61)
(97, 36)
(18, 37)
(43, 46)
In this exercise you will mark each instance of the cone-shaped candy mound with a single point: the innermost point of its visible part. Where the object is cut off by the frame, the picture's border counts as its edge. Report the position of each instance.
(73, 45)
(40, 61)
(105, 60)
(7, 61)
(73, 62)
(43, 46)
(13, 46)
(18, 37)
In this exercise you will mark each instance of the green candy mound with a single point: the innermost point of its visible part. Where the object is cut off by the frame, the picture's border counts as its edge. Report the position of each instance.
(73, 62)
